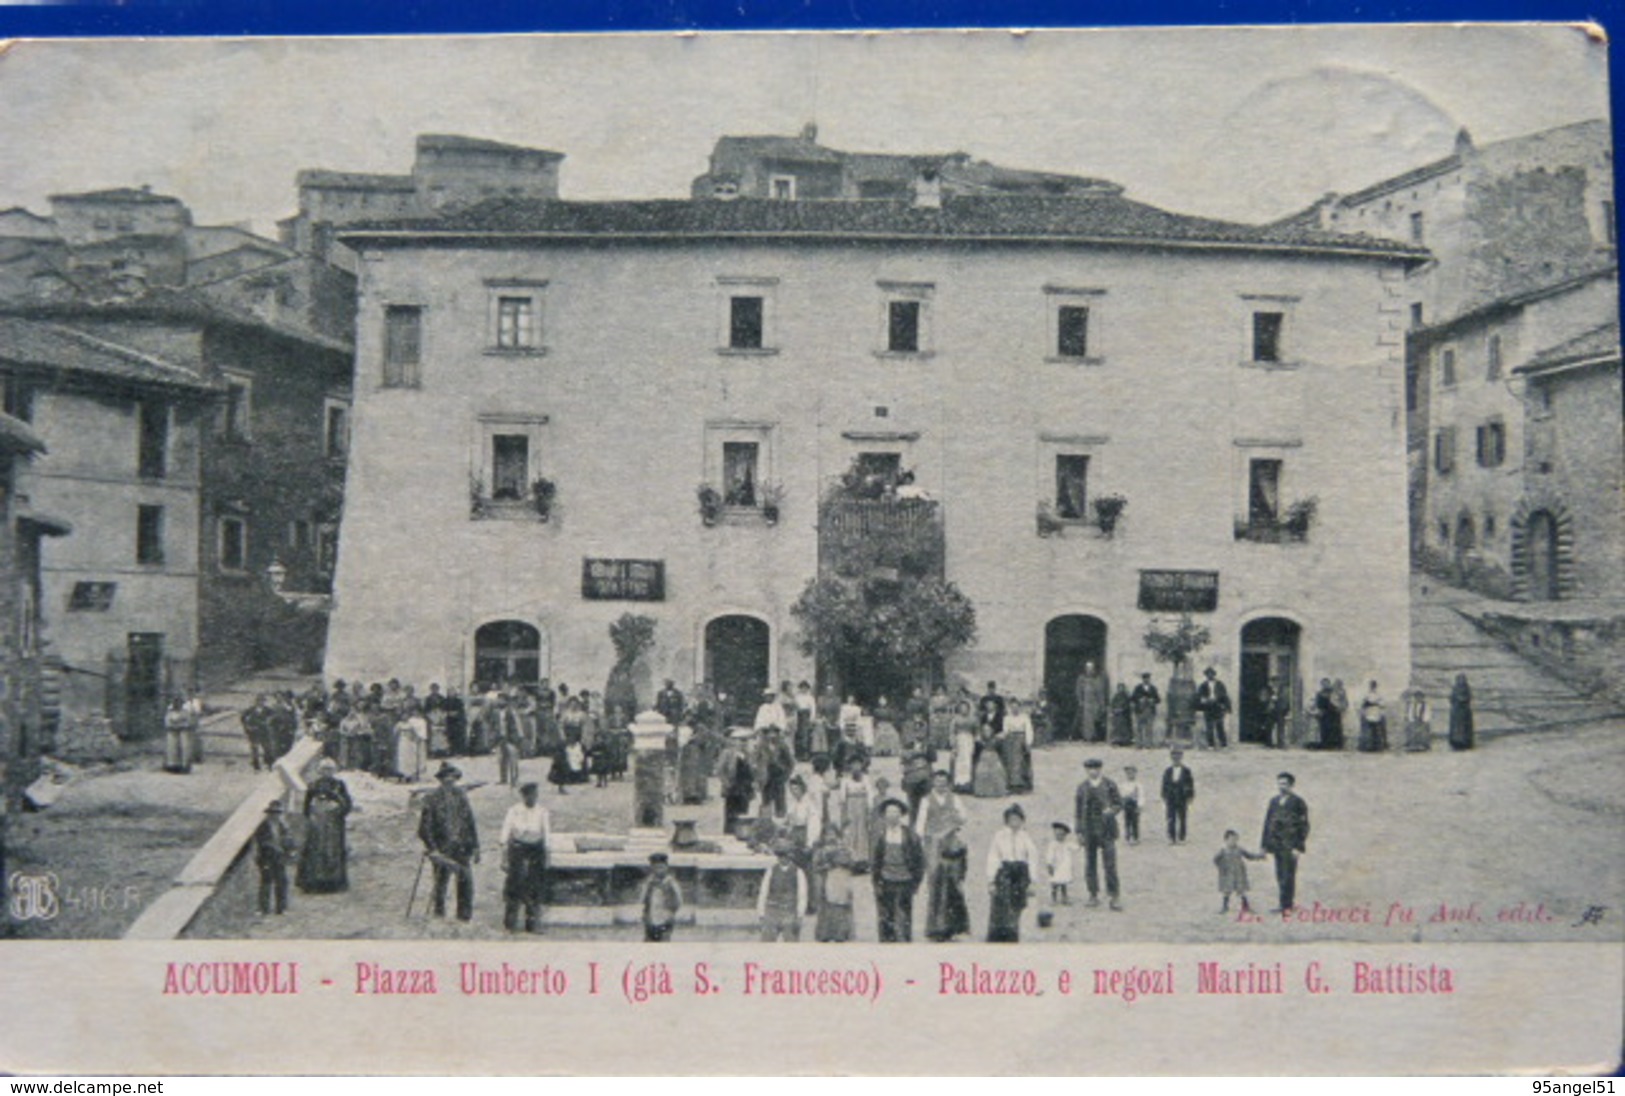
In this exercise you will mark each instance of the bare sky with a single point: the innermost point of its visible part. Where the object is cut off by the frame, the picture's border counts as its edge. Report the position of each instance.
(1248, 124)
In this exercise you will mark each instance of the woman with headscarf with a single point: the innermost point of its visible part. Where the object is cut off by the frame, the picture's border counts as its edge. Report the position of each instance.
(1373, 722)
(1122, 717)
(1327, 718)
(324, 859)
(1418, 727)
(1461, 714)
(1012, 862)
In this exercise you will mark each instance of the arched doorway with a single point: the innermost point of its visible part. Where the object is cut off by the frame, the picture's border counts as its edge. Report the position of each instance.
(736, 663)
(508, 652)
(1070, 641)
(1269, 658)
(1540, 547)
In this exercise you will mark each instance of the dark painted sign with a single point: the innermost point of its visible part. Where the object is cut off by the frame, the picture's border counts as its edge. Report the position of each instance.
(623, 579)
(1179, 591)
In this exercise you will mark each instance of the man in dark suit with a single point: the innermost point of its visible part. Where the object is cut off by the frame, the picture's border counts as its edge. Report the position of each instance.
(1178, 789)
(1098, 804)
(897, 865)
(450, 841)
(670, 703)
(1286, 830)
(990, 711)
(1213, 701)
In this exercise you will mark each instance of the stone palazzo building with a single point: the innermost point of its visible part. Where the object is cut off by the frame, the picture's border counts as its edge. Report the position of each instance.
(1021, 355)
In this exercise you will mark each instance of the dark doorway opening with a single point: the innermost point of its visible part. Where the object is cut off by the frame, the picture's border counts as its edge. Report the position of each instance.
(1269, 661)
(508, 652)
(144, 684)
(736, 664)
(1069, 643)
(1540, 544)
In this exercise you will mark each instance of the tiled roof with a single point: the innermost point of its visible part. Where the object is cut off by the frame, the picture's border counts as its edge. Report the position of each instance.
(1537, 286)
(1104, 218)
(44, 345)
(480, 144)
(1399, 182)
(118, 194)
(1600, 343)
(167, 303)
(798, 149)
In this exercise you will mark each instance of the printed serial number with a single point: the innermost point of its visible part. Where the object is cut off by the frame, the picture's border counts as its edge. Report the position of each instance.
(1572, 1088)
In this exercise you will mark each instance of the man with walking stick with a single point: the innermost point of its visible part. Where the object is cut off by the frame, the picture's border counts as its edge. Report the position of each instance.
(450, 842)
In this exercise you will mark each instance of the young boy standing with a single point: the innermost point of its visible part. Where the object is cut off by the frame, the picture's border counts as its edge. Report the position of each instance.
(661, 900)
(1130, 789)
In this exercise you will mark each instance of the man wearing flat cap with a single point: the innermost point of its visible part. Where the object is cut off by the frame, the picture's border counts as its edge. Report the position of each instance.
(1098, 804)
(897, 863)
(450, 841)
(273, 845)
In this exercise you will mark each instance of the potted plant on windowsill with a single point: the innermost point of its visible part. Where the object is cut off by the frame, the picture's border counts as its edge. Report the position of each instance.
(710, 503)
(542, 493)
(1108, 511)
(772, 499)
(1300, 516)
(1048, 523)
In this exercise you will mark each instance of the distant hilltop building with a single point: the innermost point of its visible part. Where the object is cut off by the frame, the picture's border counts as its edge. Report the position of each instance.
(799, 168)
(449, 173)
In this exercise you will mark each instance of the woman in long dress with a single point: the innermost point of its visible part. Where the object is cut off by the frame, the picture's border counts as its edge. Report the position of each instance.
(1461, 714)
(177, 744)
(992, 782)
(1122, 717)
(948, 916)
(1016, 748)
(857, 800)
(1418, 728)
(1012, 862)
(1373, 722)
(324, 859)
(964, 729)
(411, 744)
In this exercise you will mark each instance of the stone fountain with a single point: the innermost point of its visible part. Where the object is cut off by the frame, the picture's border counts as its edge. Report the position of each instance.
(595, 878)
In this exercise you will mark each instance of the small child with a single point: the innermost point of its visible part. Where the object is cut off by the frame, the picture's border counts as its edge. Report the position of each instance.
(661, 900)
(1058, 859)
(1232, 864)
(834, 925)
(1130, 789)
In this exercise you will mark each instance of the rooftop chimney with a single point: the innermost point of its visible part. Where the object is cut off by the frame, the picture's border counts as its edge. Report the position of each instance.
(809, 132)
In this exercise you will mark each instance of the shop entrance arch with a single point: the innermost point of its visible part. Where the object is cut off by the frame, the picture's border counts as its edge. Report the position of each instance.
(1269, 661)
(508, 652)
(1070, 642)
(737, 656)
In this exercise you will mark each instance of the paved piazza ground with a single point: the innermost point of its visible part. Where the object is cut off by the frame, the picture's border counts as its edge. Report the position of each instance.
(1528, 820)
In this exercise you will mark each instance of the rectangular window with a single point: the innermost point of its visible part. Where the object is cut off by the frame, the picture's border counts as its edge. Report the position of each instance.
(1444, 450)
(1489, 525)
(510, 467)
(336, 431)
(1447, 367)
(234, 413)
(1411, 383)
(903, 327)
(782, 187)
(149, 534)
(746, 319)
(233, 544)
(403, 345)
(1263, 492)
(1416, 314)
(153, 446)
(1493, 369)
(741, 472)
(299, 535)
(516, 323)
(1444, 531)
(327, 548)
(1072, 331)
(1267, 328)
(1492, 444)
(1071, 486)
(19, 398)
(1418, 233)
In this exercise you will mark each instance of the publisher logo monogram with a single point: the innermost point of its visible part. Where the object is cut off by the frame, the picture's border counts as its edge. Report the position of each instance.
(34, 897)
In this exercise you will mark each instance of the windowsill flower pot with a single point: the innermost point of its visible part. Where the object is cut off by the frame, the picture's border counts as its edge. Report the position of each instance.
(710, 503)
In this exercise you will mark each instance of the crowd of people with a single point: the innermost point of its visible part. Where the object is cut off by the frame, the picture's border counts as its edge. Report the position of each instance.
(797, 781)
